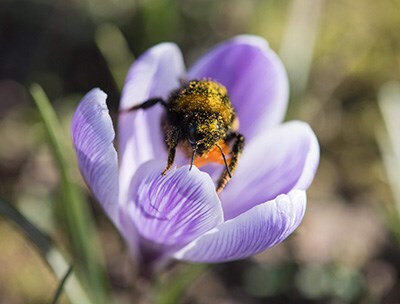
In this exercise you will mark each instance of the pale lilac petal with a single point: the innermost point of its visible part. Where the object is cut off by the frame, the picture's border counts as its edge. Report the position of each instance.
(154, 74)
(174, 209)
(275, 162)
(93, 136)
(129, 232)
(250, 233)
(255, 78)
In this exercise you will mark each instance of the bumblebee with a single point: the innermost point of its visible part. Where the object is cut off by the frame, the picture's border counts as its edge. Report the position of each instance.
(201, 120)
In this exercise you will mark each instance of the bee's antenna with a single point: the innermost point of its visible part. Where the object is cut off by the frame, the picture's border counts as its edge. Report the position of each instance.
(226, 164)
(193, 156)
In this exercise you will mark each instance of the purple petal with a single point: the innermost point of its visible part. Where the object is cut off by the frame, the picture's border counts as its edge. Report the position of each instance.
(274, 163)
(174, 209)
(255, 78)
(129, 232)
(154, 74)
(93, 136)
(250, 233)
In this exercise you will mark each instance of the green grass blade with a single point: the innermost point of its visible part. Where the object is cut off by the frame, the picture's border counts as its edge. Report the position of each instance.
(389, 144)
(53, 257)
(61, 285)
(80, 223)
(115, 50)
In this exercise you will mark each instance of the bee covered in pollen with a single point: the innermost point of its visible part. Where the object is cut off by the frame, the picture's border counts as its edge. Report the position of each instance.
(201, 120)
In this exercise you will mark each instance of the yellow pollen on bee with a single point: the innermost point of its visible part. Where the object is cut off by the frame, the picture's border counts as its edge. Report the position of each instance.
(211, 127)
(208, 96)
(208, 86)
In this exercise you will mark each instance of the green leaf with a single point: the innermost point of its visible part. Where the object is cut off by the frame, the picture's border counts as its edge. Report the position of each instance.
(53, 257)
(84, 240)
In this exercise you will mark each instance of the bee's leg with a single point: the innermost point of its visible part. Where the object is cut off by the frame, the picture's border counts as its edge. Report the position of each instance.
(237, 149)
(172, 138)
(147, 104)
(171, 157)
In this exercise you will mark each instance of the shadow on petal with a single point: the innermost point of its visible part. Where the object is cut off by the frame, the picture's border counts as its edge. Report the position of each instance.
(140, 136)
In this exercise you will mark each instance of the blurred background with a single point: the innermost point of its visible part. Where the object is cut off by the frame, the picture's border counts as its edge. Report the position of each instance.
(343, 61)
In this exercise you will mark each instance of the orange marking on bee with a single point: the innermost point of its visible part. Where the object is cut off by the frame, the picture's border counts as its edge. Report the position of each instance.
(213, 156)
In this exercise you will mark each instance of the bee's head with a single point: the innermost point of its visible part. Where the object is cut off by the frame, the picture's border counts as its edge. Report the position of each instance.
(203, 136)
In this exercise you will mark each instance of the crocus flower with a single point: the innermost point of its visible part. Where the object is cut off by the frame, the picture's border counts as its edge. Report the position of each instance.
(179, 215)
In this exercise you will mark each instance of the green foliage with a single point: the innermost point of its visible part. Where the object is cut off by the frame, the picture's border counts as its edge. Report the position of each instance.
(50, 253)
(60, 287)
(81, 228)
